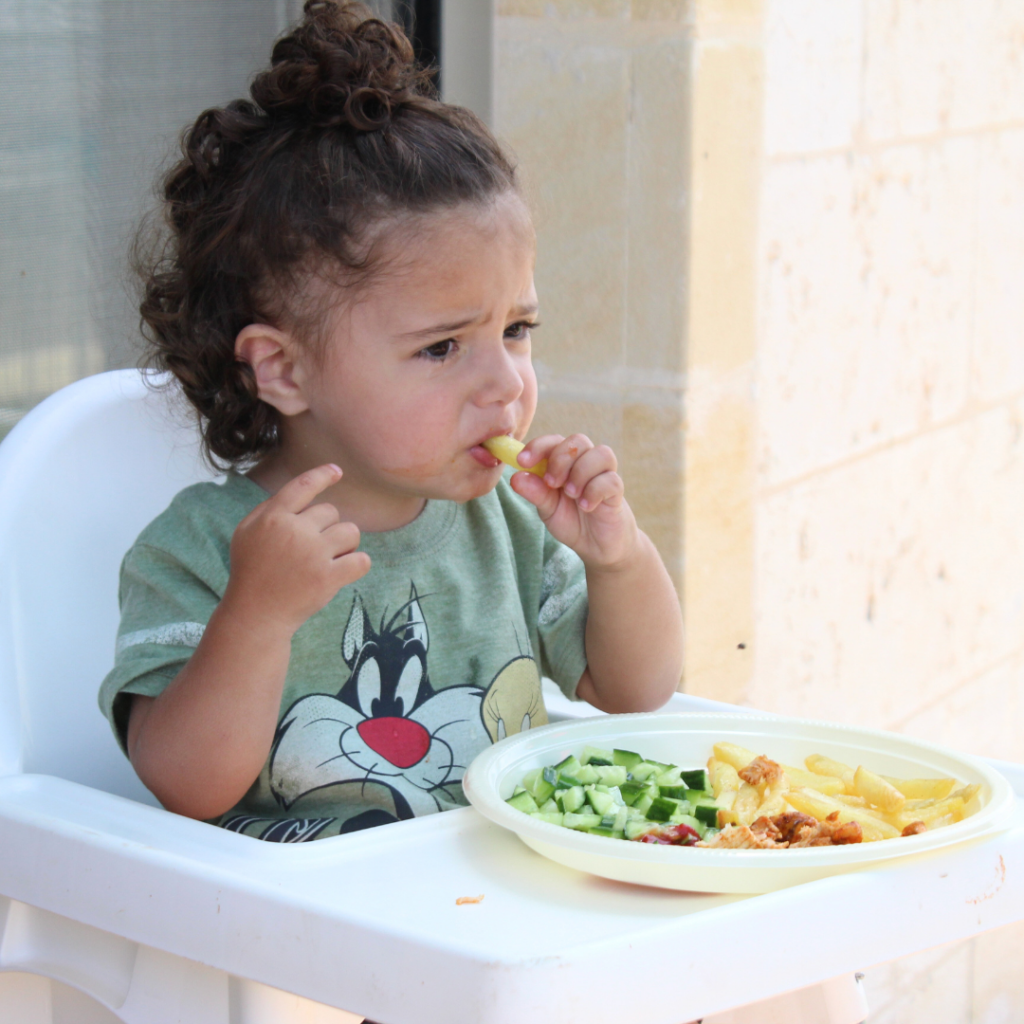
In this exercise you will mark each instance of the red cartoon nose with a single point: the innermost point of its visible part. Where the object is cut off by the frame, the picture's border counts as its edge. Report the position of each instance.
(402, 741)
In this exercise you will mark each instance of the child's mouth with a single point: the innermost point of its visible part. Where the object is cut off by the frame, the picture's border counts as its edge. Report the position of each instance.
(483, 456)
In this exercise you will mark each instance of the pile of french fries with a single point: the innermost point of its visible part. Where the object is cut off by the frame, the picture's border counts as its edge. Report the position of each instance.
(883, 807)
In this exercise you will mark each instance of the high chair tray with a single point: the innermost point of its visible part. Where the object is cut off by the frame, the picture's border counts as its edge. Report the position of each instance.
(369, 922)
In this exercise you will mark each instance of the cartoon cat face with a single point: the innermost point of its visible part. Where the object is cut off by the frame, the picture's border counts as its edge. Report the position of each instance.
(386, 725)
(388, 666)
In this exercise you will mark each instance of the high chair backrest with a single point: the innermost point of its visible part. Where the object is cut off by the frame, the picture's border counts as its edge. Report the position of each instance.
(80, 476)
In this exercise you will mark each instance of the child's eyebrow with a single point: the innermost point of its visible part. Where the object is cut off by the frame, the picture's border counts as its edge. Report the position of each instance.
(528, 309)
(449, 328)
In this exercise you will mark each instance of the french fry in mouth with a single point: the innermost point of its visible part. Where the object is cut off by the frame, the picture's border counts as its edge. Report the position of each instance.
(508, 448)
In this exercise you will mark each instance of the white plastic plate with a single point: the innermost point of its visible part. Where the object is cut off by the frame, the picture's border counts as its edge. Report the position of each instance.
(686, 740)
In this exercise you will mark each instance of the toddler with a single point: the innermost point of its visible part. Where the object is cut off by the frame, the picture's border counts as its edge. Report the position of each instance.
(323, 642)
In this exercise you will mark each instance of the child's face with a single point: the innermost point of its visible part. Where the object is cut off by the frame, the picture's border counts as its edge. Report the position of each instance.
(433, 358)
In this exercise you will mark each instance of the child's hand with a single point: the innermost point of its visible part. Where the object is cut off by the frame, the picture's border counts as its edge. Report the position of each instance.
(580, 498)
(290, 557)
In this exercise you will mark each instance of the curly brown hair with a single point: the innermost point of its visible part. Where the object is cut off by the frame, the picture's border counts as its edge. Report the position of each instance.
(341, 133)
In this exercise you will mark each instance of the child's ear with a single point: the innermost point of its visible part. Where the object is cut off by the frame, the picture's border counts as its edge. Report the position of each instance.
(272, 355)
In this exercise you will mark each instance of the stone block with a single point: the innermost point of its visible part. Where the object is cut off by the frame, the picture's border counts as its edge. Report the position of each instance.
(564, 110)
(933, 67)
(720, 340)
(813, 59)
(600, 420)
(662, 10)
(718, 534)
(885, 583)
(724, 189)
(865, 301)
(998, 363)
(651, 465)
(657, 207)
(722, 17)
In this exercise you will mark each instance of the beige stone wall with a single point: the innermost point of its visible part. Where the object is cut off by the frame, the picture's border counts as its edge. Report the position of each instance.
(890, 464)
(889, 567)
(820, 205)
(630, 169)
(593, 101)
(781, 247)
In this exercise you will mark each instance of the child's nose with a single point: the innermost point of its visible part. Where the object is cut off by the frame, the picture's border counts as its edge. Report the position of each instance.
(501, 380)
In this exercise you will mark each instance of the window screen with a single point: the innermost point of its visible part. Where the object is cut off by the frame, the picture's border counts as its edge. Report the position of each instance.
(96, 93)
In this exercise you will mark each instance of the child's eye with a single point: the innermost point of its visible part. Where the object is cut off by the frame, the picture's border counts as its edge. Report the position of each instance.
(520, 330)
(439, 351)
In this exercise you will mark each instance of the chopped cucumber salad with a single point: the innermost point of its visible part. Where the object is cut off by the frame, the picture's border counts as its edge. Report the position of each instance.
(619, 794)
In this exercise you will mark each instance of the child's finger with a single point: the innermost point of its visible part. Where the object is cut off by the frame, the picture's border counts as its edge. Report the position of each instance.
(535, 491)
(591, 463)
(298, 493)
(351, 567)
(605, 489)
(538, 449)
(321, 515)
(563, 457)
(341, 538)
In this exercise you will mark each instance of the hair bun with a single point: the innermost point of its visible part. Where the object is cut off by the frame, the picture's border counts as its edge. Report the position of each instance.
(341, 67)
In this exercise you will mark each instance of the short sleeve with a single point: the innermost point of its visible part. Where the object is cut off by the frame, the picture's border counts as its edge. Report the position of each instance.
(165, 606)
(562, 616)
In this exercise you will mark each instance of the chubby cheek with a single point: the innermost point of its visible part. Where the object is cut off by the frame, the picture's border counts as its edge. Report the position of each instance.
(415, 441)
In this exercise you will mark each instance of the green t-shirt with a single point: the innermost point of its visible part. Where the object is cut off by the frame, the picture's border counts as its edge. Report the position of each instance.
(393, 687)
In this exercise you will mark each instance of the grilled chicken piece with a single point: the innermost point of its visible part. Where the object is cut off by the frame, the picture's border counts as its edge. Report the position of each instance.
(792, 829)
(793, 825)
(761, 770)
(740, 837)
(847, 833)
(830, 832)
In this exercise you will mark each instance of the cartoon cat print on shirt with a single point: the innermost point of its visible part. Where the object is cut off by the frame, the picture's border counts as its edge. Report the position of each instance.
(388, 737)
(387, 724)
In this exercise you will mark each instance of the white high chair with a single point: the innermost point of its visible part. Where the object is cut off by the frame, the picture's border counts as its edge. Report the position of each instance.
(112, 909)
(79, 477)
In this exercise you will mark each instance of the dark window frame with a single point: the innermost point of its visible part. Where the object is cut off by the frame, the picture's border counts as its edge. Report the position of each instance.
(421, 20)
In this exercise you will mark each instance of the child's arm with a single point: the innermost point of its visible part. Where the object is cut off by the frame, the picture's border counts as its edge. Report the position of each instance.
(201, 744)
(634, 633)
